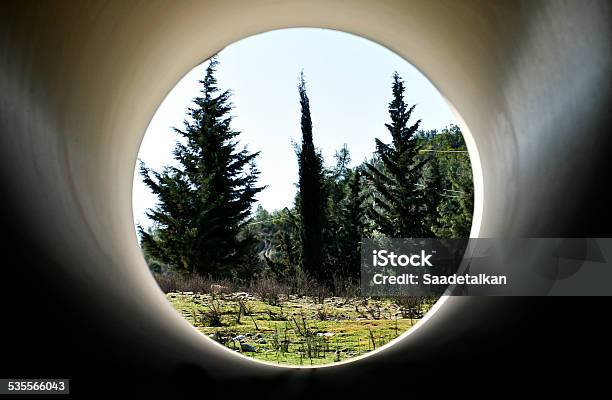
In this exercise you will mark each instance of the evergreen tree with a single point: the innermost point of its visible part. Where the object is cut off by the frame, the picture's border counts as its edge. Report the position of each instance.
(261, 227)
(312, 197)
(170, 241)
(456, 204)
(354, 226)
(276, 235)
(345, 225)
(336, 186)
(398, 209)
(433, 184)
(205, 203)
(287, 238)
(341, 171)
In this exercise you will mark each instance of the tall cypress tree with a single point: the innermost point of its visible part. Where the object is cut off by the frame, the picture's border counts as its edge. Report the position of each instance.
(206, 201)
(311, 200)
(398, 209)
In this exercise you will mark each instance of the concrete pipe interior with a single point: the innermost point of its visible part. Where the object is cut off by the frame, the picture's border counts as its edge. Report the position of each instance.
(530, 82)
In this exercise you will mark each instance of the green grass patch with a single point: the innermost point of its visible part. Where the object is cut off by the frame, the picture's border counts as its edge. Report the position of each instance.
(298, 330)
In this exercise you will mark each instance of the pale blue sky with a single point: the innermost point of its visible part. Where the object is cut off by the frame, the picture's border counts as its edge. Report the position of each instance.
(349, 86)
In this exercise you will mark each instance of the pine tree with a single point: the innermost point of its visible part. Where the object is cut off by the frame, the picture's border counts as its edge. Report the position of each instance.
(287, 239)
(354, 225)
(204, 203)
(345, 224)
(454, 219)
(311, 200)
(398, 209)
(336, 179)
(336, 186)
(170, 242)
(433, 184)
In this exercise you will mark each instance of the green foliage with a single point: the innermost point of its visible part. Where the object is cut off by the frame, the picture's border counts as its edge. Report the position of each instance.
(312, 196)
(300, 331)
(204, 204)
(421, 183)
(398, 209)
(418, 185)
(456, 204)
(346, 221)
(291, 260)
(277, 237)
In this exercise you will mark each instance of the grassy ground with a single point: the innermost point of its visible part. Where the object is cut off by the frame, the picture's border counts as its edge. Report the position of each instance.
(295, 330)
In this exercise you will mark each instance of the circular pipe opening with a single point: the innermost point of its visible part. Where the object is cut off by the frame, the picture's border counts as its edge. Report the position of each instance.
(518, 78)
(176, 102)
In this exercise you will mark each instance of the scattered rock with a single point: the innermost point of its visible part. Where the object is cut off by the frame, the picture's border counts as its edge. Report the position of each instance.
(247, 348)
(239, 338)
(262, 341)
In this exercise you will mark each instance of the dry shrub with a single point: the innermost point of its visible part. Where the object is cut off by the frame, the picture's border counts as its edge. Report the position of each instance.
(320, 293)
(175, 282)
(167, 282)
(269, 289)
(346, 288)
(300, 282)
(323, 313)
(212, 315)
(410, 306)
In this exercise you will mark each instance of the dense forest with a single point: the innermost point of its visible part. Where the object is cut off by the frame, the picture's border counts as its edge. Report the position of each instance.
(416, 184)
